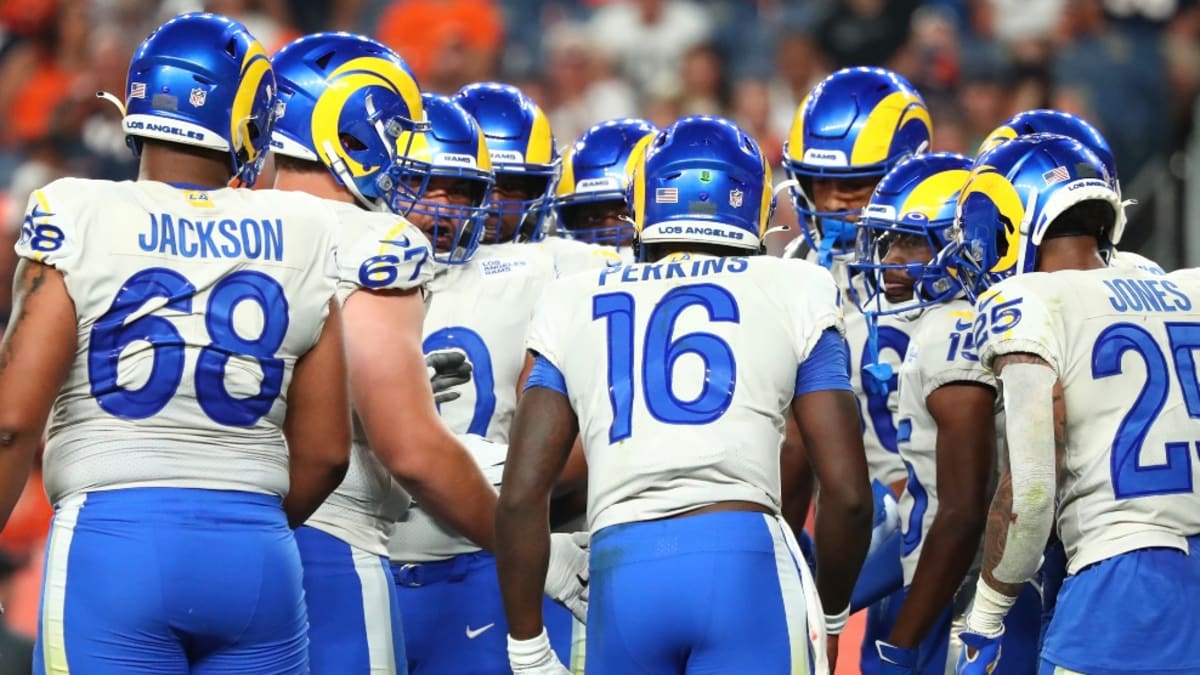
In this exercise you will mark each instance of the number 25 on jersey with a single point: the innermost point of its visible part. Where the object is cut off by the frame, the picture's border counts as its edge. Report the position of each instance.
(660, 352)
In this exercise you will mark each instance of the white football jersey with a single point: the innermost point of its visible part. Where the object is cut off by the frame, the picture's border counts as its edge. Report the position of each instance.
(1127, 260)
(877, 407)
(572, 255)
(482, 308)
(1124, 344)
(376, 251)
(940, 352)
(193, 307)
(680, 372)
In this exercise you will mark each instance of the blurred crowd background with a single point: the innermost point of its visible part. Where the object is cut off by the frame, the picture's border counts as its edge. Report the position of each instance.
(1131, 67)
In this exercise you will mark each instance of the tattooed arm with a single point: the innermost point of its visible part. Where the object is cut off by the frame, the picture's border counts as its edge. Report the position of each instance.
(35, 358)
(1022, 511)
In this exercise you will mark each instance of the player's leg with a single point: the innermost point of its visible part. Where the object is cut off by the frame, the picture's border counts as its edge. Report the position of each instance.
(243, 612)
(673, 594)
(350, 607)
(762, 580)
(102, 607)
(1129, 613)
(455, 609)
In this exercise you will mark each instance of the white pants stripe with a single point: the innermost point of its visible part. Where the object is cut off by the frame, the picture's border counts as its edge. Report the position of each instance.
(54, 584)
(377, 615)
(792, 572)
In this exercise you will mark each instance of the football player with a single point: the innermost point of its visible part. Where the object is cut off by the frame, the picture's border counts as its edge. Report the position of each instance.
(848, 132)
(683, 494)
(480, 301)
(1073, 126)
(525, 160)
(1057, 326)
(187, 335)
(589, 196)
(945, 428)
(352, 111)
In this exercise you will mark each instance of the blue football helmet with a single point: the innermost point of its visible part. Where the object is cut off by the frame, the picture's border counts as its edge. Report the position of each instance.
(1012, 198)
(701, 180)
(347, 101)
(1066, 124)
(203, 80)
(595, 170)
(856, 124)
(914, 203)
(524, 158)
(452, 160)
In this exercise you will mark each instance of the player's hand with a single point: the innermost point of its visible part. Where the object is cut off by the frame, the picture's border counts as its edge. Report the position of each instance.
(567, 576)
(534, 657)
(447, 369)
(895, 660)
(980, 654)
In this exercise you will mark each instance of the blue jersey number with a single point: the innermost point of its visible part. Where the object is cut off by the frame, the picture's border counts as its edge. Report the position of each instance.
(877, 396)
(114, 332)
(1129, 477)
(661, 351)
(920, 502)
(458, 337)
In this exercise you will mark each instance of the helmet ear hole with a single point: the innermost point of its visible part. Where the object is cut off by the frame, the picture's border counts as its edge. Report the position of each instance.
(231, 47)
(322, 61)
(351, 143)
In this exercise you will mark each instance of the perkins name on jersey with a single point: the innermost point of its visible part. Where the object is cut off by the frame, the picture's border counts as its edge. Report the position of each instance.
(680, 269)
(1146, 295)
(256, 239)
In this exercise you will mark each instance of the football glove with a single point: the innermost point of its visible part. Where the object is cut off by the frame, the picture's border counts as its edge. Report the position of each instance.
(980, 654)
(567, 577)
(534, 657)
(447, 368)
(887, 515)
(895, 660)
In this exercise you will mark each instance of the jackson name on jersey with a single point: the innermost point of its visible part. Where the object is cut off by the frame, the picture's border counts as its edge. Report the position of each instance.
(192, 306)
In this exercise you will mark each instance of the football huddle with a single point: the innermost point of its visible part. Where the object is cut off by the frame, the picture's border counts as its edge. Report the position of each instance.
(450, 397)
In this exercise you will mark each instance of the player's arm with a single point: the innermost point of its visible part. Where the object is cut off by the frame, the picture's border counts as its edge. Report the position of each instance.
(1022, 511)
(390, 389)
(827, 414)
(35, 359)
(796, 477)
(963, 412)
(543, 431)
(574, 474)
(317, 426)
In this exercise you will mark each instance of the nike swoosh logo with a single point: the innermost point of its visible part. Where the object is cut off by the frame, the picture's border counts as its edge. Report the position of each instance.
(401, 242)
(472, 634)
(960, 325)
(582, 582)
(38, 212)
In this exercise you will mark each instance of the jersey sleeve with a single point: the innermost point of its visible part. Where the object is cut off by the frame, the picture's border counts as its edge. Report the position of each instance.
(816, 307)
(545, 328)
(385, 252)
(1015, 316)
(51, 231)
(944, 351)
